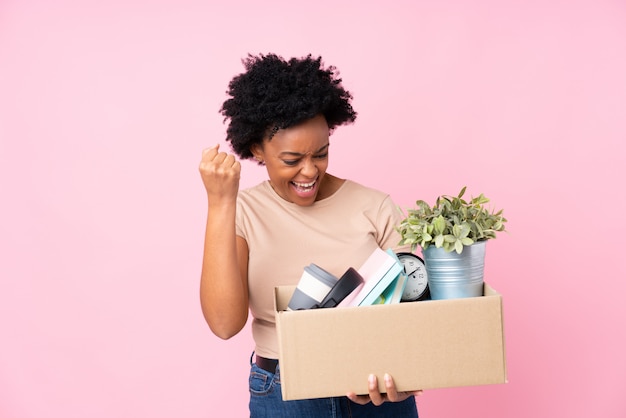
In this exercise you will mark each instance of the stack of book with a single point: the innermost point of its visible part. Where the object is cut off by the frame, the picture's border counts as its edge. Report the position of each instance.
(383, 280)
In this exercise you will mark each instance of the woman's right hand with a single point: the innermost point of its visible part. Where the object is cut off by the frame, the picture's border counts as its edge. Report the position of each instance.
(220, 173)
(224, 279)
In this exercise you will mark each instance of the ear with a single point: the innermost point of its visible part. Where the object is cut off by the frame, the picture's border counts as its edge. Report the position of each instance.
(257, 152)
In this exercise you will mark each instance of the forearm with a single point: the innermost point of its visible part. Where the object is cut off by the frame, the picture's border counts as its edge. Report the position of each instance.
(223, 286)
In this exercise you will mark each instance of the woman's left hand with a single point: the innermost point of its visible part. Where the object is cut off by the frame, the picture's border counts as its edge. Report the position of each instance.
(378, 398)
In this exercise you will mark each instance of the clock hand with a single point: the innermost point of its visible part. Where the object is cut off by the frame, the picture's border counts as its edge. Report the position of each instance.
(411, 273)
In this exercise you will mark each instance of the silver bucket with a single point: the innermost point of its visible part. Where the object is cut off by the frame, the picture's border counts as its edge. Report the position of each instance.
(452, 275)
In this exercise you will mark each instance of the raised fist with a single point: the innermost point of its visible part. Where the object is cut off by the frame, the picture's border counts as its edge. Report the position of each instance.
(220, 173)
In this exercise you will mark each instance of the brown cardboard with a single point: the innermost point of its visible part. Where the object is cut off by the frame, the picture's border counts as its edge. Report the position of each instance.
(423, 345)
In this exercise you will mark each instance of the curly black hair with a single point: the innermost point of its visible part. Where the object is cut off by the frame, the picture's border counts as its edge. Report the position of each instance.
(274, 94)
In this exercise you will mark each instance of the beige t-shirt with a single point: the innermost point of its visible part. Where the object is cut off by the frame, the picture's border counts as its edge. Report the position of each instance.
(335, 233)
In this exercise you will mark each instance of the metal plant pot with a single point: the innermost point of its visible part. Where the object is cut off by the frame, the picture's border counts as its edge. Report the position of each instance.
(452, 275)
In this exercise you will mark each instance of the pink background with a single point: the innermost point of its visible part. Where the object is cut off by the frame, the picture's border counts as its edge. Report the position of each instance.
(106, 106)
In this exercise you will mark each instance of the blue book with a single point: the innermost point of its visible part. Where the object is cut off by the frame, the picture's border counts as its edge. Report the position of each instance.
(393, 292)
(373, 269)
(389, 269)
(387, 295)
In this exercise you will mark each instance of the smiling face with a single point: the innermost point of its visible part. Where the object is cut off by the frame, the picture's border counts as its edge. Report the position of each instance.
(296, 159)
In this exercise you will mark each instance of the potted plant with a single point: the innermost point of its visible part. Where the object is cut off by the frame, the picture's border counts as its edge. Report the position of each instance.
(452, 235)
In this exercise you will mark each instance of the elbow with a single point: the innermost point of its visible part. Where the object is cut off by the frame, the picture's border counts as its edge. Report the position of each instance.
(224, 320)
(224, 334)
(226, 329)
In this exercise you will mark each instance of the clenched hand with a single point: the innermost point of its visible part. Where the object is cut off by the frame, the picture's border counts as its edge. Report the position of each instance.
(220, 173)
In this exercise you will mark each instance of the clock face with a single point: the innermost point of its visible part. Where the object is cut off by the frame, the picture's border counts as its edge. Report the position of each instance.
(417, 278)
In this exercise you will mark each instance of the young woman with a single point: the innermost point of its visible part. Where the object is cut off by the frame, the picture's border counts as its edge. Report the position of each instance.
(281, 113)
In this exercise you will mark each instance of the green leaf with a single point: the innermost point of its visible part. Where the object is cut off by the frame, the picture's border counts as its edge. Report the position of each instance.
(439, 241)
(467, 241)
(461, 231)
(449, 238)
(439, 225)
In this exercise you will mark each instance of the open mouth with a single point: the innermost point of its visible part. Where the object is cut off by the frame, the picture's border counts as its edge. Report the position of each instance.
(304, 187)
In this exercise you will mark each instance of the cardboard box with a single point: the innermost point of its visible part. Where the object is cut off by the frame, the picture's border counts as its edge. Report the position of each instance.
(423, 345)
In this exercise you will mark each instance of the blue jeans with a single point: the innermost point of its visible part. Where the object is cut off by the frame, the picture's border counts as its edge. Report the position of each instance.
(266, 402)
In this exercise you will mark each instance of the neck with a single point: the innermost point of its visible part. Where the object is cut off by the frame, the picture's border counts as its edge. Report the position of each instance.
(330, 184)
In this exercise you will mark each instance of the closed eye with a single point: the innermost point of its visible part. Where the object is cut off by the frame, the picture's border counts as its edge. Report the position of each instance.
(296, 162)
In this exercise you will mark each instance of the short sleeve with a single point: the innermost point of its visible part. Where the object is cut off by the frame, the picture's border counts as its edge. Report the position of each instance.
(389, 218)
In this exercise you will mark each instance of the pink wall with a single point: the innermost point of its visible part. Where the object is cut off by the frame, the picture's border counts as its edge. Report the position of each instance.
(106, 106)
